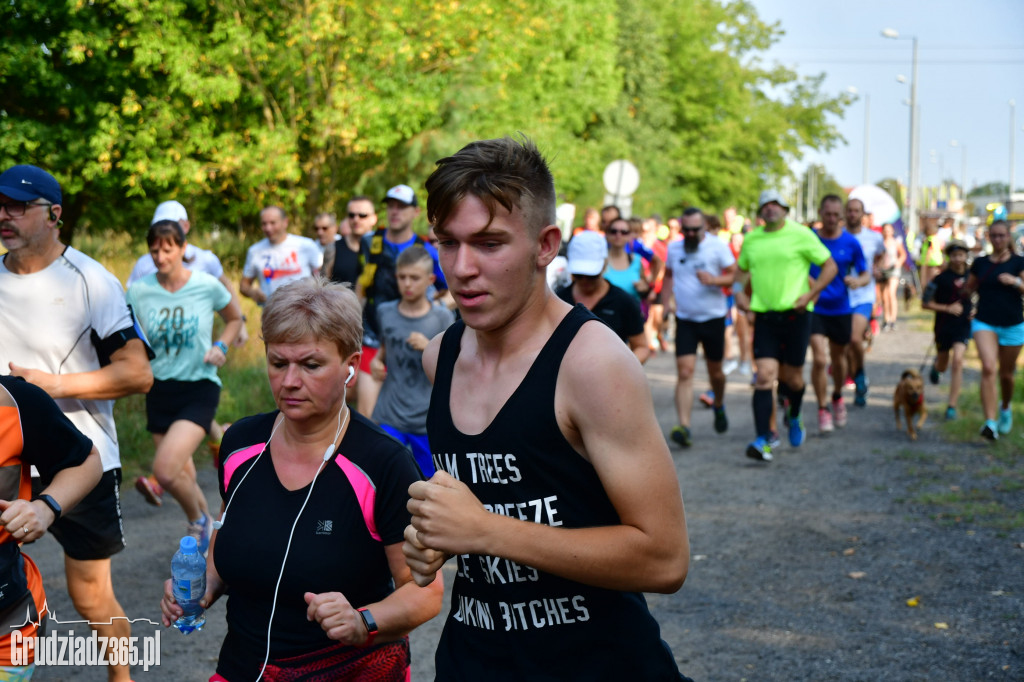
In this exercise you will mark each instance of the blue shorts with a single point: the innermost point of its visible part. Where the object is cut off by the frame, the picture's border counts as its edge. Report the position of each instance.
(730, 301)
(864, 310)
(417, 442)
(1008, 336)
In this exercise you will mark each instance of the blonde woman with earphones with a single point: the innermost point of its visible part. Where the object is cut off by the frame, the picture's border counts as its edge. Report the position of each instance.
(311, 552)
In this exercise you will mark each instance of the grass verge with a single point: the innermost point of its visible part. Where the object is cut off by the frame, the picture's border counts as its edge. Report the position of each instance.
(979, 483)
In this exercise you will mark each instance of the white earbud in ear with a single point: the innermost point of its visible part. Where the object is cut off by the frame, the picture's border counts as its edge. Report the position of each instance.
(351, 373)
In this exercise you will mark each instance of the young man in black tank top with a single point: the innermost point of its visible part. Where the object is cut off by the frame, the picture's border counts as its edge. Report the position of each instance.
(555, 490)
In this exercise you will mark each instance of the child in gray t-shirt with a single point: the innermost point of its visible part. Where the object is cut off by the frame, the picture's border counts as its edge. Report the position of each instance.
(406, 325)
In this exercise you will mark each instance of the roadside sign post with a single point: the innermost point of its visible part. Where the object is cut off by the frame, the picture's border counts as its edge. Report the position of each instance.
(621, 180)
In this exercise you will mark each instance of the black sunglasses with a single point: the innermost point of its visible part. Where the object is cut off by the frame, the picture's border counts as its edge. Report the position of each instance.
(618, 231)
(358, 215)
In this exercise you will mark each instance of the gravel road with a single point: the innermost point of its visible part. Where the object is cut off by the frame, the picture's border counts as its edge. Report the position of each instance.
(800, 570)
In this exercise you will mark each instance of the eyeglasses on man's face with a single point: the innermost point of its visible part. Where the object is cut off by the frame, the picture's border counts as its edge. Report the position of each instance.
(353, 216)
(16, 209)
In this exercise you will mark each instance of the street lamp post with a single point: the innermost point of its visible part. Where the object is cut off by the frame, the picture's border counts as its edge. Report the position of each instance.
(912, 175)
(1013, 134)
(867, 129)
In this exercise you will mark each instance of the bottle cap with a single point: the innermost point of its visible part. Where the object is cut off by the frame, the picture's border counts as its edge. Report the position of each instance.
(188, 545)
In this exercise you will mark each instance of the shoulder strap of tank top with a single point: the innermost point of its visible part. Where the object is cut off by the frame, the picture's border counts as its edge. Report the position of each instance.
(551, 355)
(450, 344)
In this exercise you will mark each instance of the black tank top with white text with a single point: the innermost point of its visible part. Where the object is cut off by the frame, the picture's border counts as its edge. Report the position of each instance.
(509, 621)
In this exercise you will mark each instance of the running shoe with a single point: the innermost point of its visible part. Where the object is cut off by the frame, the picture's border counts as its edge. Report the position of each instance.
(760, 450)
(934, 375)
(824, 420)
(839, 412)
(201, 531)
(1005, 421)
(990, 430)
(729, 367)
(860, 391)
(773, 439)
(745, 369)
(849, 383)
(721, 421)
(796, 432)
(150, 489)
(950, 413)
(708, 398)
(681, 436)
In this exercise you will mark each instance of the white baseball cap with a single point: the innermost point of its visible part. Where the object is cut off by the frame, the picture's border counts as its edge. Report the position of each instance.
(402, 193)
(587, 253)
(169, 210)
(770, 195)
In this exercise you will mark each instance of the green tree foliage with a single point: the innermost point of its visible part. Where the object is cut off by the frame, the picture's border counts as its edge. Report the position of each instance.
(229, 105)
(990, 189)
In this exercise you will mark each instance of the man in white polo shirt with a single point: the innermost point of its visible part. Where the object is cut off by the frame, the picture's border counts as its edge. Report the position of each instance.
(696, 269)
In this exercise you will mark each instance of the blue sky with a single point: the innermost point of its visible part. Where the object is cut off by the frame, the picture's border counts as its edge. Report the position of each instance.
(970, 65)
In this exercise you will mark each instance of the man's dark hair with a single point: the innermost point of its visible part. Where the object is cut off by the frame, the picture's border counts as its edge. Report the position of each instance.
(830, 197)
(503, 172)
(360, 197)
(692, 210)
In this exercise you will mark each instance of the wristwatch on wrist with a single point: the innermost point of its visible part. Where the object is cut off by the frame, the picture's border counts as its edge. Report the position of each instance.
(51, 503)
(371, 625)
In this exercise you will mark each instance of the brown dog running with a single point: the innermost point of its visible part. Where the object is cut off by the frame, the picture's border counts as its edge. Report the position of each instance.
(909, 394)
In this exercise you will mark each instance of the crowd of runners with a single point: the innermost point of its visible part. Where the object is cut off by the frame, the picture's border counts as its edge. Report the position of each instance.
(377, 336)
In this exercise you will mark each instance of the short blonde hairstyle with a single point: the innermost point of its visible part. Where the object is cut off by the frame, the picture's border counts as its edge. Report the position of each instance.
(316, 308)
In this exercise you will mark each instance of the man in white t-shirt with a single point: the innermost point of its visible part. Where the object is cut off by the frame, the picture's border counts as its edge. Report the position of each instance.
(65, 327)
(277, 259)
(200, 260)
(862, 299)
(696, 269)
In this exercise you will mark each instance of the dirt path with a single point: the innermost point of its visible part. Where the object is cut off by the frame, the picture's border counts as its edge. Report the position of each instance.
(769, 595)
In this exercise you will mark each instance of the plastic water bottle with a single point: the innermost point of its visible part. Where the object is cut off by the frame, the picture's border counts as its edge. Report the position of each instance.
(188, 579)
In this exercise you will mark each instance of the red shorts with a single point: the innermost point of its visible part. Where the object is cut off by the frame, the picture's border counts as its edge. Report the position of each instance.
(368, 355)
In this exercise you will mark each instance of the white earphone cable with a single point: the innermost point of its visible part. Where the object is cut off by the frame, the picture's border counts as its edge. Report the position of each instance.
(291, 533)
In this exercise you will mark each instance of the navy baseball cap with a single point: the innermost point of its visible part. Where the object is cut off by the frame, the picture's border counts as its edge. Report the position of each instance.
(25, 183)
